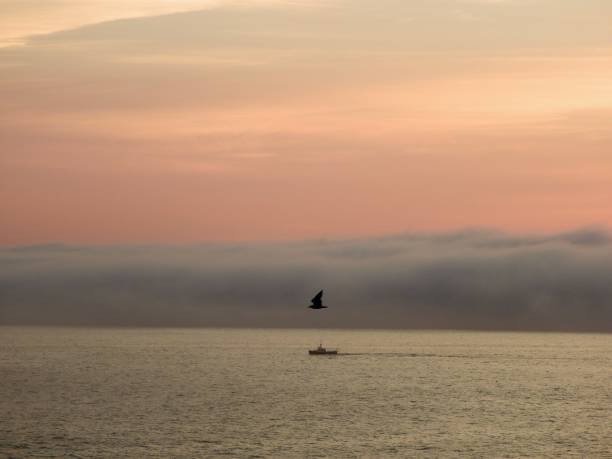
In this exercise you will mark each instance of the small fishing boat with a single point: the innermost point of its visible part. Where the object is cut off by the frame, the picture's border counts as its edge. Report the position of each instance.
(322, 351)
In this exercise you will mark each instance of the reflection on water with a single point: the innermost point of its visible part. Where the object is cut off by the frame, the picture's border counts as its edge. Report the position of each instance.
(257, 393)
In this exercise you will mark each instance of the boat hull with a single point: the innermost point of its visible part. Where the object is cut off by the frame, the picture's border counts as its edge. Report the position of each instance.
(317, 352)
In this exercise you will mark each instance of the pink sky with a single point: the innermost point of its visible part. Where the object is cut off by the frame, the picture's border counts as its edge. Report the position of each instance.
(291, 120)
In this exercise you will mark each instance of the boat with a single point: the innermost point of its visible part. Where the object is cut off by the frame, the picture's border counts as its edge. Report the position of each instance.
(322, 351)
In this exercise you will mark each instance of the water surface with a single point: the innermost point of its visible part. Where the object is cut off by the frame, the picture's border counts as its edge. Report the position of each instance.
(257, 393)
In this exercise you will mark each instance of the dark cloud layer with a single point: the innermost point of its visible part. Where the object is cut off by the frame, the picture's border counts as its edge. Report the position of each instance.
(472, 279)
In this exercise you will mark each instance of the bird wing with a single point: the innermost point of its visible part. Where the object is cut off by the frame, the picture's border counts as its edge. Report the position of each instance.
(318, 298)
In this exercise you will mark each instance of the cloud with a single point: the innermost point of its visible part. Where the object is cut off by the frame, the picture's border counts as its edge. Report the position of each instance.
(471, 279)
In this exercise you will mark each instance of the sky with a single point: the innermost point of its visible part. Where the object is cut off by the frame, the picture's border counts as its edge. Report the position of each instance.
(189, 121)
(429, 163)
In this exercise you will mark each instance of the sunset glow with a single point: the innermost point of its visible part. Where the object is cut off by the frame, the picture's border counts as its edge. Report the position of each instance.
(209, 120)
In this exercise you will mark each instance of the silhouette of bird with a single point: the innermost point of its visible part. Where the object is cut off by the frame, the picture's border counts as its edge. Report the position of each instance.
(317, 301)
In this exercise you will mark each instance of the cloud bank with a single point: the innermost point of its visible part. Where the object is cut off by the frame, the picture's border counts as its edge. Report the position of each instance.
(473, 279)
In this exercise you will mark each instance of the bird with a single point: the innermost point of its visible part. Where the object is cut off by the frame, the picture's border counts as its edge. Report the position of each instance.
(317, 301)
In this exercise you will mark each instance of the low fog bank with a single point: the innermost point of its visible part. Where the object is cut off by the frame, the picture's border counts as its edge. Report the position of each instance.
(473, 279)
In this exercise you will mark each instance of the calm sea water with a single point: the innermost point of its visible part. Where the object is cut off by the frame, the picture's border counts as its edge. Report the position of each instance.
(257, 393)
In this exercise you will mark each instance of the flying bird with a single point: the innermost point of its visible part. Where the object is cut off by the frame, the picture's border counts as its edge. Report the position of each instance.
(317, 301)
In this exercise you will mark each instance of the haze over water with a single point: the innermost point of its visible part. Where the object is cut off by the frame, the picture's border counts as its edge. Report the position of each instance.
(87, 392)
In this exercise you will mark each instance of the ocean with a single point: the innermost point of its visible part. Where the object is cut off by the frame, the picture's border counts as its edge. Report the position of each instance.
(135, 393)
